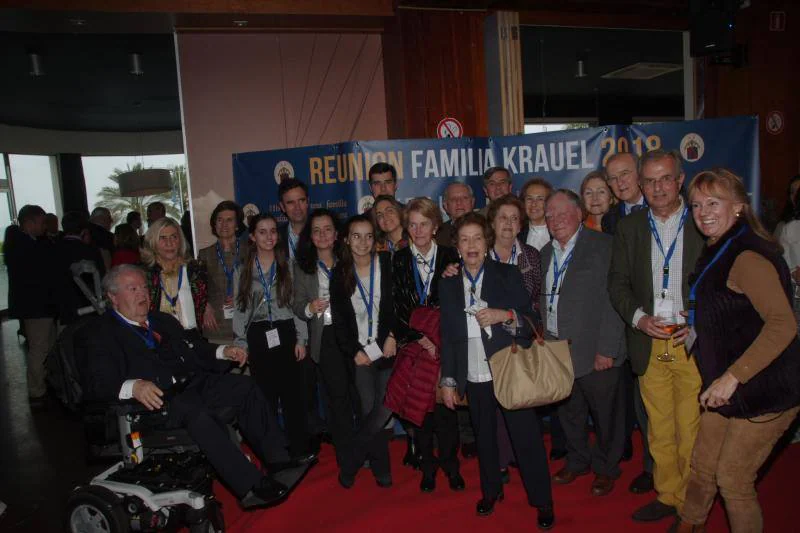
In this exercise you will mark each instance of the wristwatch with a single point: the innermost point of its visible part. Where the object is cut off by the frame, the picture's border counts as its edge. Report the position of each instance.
(510, 319)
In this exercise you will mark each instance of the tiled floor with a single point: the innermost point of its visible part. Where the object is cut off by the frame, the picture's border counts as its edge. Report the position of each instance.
(41, 453)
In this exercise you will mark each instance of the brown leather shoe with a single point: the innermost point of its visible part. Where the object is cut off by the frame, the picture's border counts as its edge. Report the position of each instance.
(602, 485)
(565, 477)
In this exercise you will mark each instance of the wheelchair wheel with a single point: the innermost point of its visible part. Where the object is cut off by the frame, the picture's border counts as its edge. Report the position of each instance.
(95, 509)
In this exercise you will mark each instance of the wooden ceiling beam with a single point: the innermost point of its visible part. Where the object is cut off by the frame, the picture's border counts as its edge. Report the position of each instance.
(371, 8)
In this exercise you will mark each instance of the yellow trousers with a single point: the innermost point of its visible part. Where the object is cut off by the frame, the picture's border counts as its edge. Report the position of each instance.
(670, 392)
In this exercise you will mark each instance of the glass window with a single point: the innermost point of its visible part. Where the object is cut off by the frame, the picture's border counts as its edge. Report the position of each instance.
(544, 128)
(102, 190)
(32, 176)
(5, 221)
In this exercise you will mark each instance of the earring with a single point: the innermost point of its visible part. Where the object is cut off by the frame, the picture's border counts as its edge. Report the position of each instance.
(738, 214)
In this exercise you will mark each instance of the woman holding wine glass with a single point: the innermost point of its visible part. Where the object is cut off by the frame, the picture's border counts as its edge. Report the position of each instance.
(747, 352)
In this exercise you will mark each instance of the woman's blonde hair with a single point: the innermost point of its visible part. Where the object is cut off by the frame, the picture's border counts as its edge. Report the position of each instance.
(425, 207)
(149, 254)
(722, 183)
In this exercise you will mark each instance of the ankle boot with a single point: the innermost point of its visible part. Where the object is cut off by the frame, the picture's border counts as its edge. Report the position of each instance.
(682, 527)
(412, 457)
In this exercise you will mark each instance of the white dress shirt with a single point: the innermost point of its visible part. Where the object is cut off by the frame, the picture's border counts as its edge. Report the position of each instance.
(186, 315)
(360, 307)
(426, 264)
(667, 232)
(538, 236)
(478, 370)
(560, 254)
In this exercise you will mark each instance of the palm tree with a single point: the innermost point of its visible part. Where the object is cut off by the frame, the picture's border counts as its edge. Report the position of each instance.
(109, 196)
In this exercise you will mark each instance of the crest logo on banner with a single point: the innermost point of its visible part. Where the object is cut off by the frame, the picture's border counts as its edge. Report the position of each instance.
(692, 147)
(365, 204)
(283, 171)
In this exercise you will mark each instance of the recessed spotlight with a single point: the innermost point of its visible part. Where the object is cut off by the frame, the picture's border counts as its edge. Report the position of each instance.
(77, 22)
(240, 23)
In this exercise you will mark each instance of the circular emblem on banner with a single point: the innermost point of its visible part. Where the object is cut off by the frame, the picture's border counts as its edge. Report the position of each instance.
(250, 210)
(692, 147)
(775, 122)
(365, 204)
(283, 171)
(449, 128)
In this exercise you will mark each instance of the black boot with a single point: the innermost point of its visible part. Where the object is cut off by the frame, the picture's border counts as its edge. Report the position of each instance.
(412, 457)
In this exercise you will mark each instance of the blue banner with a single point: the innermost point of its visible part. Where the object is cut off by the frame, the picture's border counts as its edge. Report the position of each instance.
(337, 173)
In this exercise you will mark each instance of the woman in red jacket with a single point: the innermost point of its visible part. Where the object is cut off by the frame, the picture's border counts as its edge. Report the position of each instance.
(417, 270)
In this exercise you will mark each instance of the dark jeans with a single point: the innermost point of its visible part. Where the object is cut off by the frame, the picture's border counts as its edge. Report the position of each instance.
(444, 423)
(371, 441)
(281, 378)
(526, 439)
(635, 412)
(337, 376)
(597, 394)
(196, 409)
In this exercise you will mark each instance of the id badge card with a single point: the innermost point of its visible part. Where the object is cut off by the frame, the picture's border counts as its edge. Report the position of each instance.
(373, 351)
(273, 339)
(691, 338)
(327, 317)
(663, 307)
(473, 328)
(227, 310)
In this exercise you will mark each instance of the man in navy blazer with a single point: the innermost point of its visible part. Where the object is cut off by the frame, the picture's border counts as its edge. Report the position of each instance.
(576, 307)
(133, 354)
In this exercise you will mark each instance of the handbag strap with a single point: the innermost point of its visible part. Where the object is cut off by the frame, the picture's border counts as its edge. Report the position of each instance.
(537, 337)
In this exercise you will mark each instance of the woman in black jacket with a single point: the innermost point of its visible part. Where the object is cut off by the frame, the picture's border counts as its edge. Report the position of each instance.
(497, 301)
(363, 320)
(417, 270)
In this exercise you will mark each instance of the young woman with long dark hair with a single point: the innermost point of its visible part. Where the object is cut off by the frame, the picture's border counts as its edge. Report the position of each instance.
(264, 321)
(363, 322)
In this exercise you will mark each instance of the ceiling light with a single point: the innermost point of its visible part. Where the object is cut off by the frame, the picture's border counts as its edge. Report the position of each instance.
(240, 23)
(580, 70)
(144, 182)
(136, 64)
(77, 22)
(36, 64)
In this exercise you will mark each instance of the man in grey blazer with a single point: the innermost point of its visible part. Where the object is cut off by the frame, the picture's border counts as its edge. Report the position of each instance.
(576, 307)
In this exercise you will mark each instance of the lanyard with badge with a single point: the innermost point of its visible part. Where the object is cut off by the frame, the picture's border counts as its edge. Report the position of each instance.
(511, 258)
(372, 350)
(558, 272)
(423, 288)
(325, 294)
(664, 306)
(173, 300)
(473, 328)
(149, 339)
(292, 243)
(692, 337)
(273, 339)
(227, 308)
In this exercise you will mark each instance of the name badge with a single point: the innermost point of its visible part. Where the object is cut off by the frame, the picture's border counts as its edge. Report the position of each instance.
(327, 317)
(273, 339)
(373, 351)
(227, 310)
(473, 328)
(663, 307)
(691, 338)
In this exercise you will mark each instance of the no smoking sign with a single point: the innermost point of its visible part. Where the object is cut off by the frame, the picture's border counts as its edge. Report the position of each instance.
(449, 128)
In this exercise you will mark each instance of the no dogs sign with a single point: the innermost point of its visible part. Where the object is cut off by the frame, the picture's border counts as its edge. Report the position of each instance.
(449, 128)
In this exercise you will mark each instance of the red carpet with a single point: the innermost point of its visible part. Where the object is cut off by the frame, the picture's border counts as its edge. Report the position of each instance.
(320, 504)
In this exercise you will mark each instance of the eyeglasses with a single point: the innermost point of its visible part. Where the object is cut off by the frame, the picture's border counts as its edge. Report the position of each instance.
(663, 180)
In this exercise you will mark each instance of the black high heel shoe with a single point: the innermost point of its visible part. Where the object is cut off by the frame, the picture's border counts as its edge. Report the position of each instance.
(412, 457)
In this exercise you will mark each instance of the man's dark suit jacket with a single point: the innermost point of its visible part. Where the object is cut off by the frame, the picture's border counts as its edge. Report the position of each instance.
(630, 279)
(31, 284)
(614, 215)
(344, 317)
(502, 288)
(115, 353)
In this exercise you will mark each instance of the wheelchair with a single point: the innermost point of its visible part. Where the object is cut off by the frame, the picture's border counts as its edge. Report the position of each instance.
(160, 480)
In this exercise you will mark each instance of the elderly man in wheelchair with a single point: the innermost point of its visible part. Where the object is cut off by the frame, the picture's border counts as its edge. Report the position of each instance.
(145, 363)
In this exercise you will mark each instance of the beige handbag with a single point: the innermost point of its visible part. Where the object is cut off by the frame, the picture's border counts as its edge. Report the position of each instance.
(530, 377)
